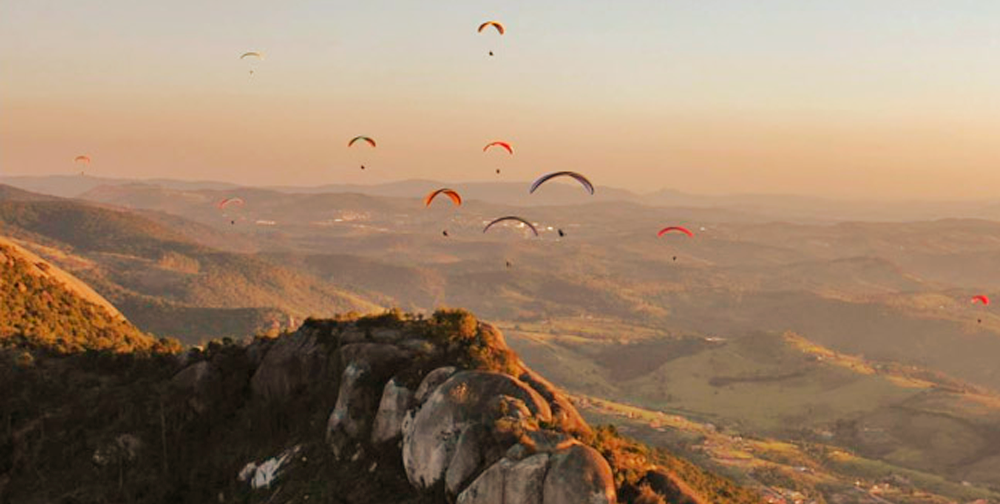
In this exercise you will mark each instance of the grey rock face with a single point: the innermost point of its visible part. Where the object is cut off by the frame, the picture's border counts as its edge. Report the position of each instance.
(465, 399)
(579, 475)
(290, 363)
(432, 381)
(396, 401)
(368, 367)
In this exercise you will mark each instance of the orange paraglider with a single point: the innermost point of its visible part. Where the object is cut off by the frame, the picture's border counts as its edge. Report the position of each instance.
(455, 197)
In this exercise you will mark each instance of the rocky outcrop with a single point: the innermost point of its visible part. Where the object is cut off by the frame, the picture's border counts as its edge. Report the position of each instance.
(579, 475)
(392, 409)
(289, 364)
(432, 381)
(197, 382)
(367, 367)
(461, 402)
(573, 475)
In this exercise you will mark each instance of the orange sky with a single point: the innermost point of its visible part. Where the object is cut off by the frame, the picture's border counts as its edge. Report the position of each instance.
(895, 100)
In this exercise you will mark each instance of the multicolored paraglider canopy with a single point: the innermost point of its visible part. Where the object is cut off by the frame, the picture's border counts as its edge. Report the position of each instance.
(365, 139)
(679, 229)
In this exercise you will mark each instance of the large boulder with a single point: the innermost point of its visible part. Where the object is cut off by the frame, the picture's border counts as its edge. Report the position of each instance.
(290, 363)
(525, 481)
(563, 411)
(432, 381)
(198, 383)
(509, 482)
(368, 366)
(663, 483)
(579, 475)
(467, 398)
(396, 401)
(489, 486)
(468, 459)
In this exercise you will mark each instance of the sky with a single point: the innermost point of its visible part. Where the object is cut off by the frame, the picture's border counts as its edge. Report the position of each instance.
(886, 99)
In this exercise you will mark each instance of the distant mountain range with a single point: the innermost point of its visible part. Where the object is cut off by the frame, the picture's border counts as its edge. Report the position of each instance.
(777, 207)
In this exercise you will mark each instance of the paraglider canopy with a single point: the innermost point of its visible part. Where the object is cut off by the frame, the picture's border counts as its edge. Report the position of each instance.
(82, 159)
(678, 229)
(985, 300)
(574, 175)
(455, 197)
(511, 218)
(229, 201)
(252, 54)
(365, 139)
(492, 24)
(506, 146)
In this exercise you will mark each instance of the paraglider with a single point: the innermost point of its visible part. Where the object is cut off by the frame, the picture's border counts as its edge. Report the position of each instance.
(511, 218)
(229, 201)
(561, 234)
(82, 160)
(501, 144)
(678, 229)
(455, 197)
(252, 55)
(574, 175)
(675, 229)
(506, 146)
(981, 298)
(361, 138)
(492, 24)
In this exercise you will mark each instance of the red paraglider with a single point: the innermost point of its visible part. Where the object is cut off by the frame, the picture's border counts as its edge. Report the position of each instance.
(506, 146)
(981, 299)
(229, 201)
(678, 229)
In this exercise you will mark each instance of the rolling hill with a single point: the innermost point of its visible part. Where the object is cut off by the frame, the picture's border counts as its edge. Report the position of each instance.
(44, 308)
(163, 280)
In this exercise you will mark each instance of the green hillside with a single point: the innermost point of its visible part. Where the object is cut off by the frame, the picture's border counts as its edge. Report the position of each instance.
(38, 311)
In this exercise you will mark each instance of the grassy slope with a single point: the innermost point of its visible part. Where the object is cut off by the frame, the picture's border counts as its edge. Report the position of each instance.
(785, 386)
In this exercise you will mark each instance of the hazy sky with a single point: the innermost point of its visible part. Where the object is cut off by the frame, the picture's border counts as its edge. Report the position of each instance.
(871, 98)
